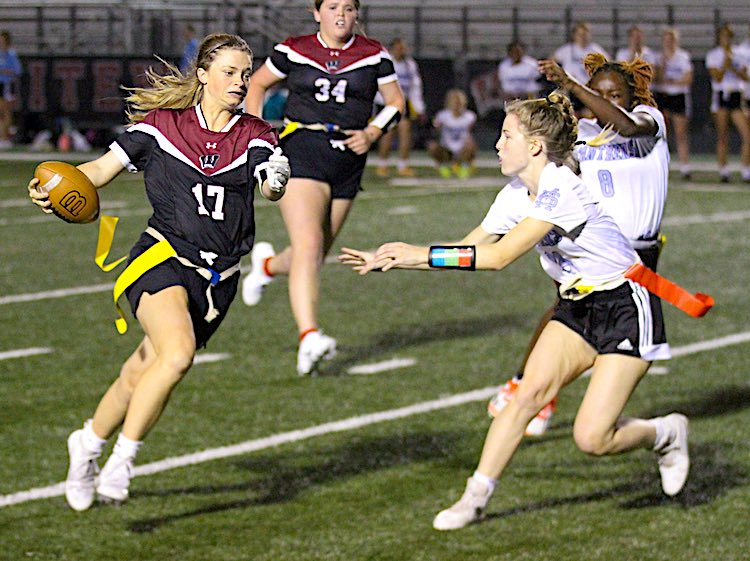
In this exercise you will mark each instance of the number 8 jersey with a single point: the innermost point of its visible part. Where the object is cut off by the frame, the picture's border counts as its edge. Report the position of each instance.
(331, 85)
(628, 175)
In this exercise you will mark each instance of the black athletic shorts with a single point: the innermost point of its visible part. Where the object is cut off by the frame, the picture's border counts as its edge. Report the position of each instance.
(313, 156)
(674, 103)
(730, 100)
(172, 273)
(625, 320)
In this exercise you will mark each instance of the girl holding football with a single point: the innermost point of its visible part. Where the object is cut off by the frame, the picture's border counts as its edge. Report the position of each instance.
(332, 76)
(547, 206)
(201, 159)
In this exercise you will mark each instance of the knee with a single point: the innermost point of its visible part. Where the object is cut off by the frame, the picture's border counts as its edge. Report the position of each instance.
(175, 361)
(591, 441)
(532, 397)
(309, 249)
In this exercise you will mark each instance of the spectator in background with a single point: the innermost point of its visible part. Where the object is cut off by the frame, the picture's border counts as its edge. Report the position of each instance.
(673, 71)
(410, 81)
(518, 74)
(454, 152)
(728, 70)
(636, 48)
(10, 71)
(190, 51)
(744, 49)
(570, 56)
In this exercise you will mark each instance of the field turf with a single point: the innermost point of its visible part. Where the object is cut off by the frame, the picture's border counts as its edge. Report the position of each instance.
(368, 487)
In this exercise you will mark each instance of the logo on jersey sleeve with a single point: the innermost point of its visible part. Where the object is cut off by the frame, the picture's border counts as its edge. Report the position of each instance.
(208, 161)
(548, 199)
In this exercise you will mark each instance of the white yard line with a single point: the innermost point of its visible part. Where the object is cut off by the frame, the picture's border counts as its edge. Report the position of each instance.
(328, 428)
(59, 293)
(383, 366)
(210, 357)
(22, 353)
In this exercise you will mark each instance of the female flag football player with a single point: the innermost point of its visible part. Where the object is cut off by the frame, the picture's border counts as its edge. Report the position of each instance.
(333, 76)
(548, 207)
(201, 158)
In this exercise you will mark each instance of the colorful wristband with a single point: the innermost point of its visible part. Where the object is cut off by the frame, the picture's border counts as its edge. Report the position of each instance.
(452, 257)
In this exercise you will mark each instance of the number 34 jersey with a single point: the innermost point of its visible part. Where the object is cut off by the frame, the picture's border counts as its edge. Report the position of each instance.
(628, 175)
(200, 183)
(331, 85)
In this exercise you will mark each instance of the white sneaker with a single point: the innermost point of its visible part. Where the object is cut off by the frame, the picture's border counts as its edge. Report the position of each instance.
(80, 485)
(314, 348)
(470, 508)
(256, 281)
(674, 460)
(114, 480)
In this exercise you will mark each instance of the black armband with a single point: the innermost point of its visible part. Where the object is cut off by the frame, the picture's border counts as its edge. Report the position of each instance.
(452, 257)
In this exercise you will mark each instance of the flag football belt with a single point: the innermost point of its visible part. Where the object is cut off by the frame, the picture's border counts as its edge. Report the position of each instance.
(695, 305)
(291, 126)
(153, 256)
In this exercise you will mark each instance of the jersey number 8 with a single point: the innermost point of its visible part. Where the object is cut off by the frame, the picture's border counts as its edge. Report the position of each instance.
(606, 183)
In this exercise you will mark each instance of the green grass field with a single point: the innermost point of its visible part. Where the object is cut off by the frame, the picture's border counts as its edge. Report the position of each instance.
(367, 489)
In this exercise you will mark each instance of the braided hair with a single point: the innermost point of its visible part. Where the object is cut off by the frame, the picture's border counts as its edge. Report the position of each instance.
(552, 120)
(637, 75)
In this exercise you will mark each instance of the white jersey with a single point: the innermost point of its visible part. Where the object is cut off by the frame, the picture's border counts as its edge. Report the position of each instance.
(519, 79)
(454, 130)
(626, 53)
(584, 244)
(628, 175)
(570, 56)
(410, 81)
(731, 81)
(675, 68)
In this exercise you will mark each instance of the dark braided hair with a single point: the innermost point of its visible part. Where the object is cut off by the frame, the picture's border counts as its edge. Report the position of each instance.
(637, 75)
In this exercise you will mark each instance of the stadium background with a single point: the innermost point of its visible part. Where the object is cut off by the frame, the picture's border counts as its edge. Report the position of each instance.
(77, 54)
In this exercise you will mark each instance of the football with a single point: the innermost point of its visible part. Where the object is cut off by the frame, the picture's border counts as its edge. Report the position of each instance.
(72, 195)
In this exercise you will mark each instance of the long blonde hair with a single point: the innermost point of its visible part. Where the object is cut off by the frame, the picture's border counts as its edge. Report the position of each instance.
(552, 120)
(175, 90)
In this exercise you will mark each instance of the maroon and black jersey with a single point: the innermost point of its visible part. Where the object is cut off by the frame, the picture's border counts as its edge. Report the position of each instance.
(328, 85)
(200, 183)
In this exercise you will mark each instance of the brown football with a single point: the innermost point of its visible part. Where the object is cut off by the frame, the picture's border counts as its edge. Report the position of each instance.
(73, 196)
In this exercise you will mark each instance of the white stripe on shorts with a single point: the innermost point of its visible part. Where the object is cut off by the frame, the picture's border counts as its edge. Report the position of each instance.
(646, 347)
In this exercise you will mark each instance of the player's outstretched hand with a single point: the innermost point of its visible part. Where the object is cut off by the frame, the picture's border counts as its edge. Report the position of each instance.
(401, 255)
(555, 73)
(39, 198)
(361, 261)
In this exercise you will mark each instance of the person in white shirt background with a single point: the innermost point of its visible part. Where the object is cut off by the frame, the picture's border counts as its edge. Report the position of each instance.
(410, 80)
(570, 56)
(636, 48)
(673, 77)
(455, 150)
(729, 71)
(744, 49)
(517, 73)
